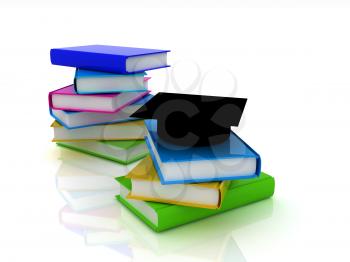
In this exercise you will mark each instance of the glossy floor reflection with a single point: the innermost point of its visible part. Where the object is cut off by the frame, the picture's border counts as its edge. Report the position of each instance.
(93, 213)
(210, 239)
(81, 178)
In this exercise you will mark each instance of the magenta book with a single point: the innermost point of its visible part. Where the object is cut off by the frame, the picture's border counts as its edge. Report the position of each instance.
(66, 98)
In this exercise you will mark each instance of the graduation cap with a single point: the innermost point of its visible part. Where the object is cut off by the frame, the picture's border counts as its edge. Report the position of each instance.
(193, 120)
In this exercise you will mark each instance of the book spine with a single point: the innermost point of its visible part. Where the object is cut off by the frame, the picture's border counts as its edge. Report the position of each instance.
(89, 61)
(75, 84)
(258, 158)
(50, 100)
(223, 188)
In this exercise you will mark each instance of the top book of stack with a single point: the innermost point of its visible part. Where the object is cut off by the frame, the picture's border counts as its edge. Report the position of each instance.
(113, 59)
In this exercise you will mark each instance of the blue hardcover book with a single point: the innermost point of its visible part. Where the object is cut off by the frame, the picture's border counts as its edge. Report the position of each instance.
(78, 119)
(230, 160)
(96, 82)
(114, 59)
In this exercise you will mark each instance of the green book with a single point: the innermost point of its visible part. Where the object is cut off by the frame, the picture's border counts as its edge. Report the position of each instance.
(160, 216)
(123, 151)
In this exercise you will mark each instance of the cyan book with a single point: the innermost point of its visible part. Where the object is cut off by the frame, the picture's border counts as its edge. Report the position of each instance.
(92, 82)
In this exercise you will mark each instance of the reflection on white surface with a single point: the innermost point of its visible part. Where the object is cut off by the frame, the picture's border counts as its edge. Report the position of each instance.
(121, 248)
(83, 172)
(101, 218)
(106, 237)
(210, 239)
(93, 164)
(86, 200)
(195, 233)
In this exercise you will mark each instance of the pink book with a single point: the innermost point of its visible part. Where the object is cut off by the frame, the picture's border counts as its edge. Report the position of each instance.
(67, 99)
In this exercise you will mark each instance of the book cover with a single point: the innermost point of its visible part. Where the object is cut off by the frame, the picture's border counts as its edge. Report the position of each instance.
(231, 160)
(203, 195)
(114, 59)
(160, 216)
(66, 98)
(123, 152)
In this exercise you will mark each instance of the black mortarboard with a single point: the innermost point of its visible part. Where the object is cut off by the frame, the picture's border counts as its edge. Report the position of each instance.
(193, 120)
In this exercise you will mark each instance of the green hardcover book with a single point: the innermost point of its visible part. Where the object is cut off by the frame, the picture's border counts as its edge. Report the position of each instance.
(160, 216)
(123, 152)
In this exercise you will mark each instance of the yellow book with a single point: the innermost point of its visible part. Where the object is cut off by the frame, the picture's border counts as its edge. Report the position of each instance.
(133, 130)
(145, 185)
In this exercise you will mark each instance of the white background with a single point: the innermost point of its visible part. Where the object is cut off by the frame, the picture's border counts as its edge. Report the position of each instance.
(291, 60)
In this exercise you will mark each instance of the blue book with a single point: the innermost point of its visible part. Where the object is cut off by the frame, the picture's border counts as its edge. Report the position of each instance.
(230, 160)
(79, 119)
(113, 59)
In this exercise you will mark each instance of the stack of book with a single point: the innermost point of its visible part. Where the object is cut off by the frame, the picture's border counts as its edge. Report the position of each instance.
(197, 166)
(93, 116)
(174, 155)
